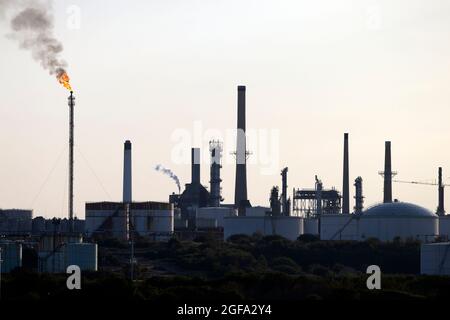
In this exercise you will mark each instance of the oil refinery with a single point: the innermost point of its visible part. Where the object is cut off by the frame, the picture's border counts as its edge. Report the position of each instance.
(199, 210)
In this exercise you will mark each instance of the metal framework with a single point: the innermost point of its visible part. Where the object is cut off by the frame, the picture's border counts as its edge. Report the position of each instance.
(215, 149)
(309, 202)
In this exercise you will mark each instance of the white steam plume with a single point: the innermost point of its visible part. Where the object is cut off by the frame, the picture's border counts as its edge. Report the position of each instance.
(169, 173)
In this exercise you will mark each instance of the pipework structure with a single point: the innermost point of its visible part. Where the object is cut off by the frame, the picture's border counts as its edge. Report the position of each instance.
(314, 202)
(215, 148)
(275, 205)
(359, 198)
(71, 162)
(285, 202)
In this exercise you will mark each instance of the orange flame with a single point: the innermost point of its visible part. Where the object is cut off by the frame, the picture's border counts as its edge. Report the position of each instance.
(64, 79)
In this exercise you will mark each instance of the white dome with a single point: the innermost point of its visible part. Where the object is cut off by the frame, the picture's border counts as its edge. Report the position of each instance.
(398, 209)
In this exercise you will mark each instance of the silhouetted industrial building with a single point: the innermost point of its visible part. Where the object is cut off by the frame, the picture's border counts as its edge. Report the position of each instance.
(15, 222)
(41, 225)
(154, 220)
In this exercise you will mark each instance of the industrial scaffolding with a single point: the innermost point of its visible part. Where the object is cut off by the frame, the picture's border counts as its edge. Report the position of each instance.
(311, 203)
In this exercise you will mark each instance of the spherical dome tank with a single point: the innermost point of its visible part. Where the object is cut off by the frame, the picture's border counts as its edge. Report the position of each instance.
(388, 221)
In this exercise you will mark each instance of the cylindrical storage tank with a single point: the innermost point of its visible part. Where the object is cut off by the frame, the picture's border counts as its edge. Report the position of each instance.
(153, 219)
(180, 224)
(11, 255)
(83, 255)
(311, 226)
(339, 227)
(216, 213)
(444, 226)
(206, 223)
(434, 258)
(388, 221)
(97, 214)
(52, 261)
(257, 211)
(288, 227)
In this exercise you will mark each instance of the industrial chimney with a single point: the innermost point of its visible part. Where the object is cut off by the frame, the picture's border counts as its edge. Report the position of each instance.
(345, 179)
(215, 147)
(440, 209)
(127, 172)
(387, 173)
(240, 195)
(359, 198)
(195, 166)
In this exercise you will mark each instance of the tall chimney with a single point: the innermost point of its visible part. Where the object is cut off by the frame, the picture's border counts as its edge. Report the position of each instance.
(127, 183)
(387, 173)
(71, 125)
(440, 209)
(215, 147)
(195, 165)
(240, 195)
(345, 179)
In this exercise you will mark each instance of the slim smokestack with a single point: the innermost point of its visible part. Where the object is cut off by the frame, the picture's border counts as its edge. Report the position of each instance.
(387, 173)
(195, 163)
(440, 209)
(215, 147)
(127, 182)
(345, 179)
(71, 125)
(240, 195)
(359, 198)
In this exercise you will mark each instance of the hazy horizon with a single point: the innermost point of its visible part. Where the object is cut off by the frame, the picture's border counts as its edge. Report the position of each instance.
(144, 71)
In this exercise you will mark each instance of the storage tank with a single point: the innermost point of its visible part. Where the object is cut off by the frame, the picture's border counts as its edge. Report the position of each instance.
(311, 226)
(11, 254)
(206, 223)
(339, 227)
(155, 220)
(444, 226)
(107, 217)
(387, 221)
(286, 226)
(435, 258)
(257, 211)
(180, 224)
(83, 255)
(216, 213)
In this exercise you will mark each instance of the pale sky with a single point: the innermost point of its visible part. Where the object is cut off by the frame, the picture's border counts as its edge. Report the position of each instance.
(143, 70)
